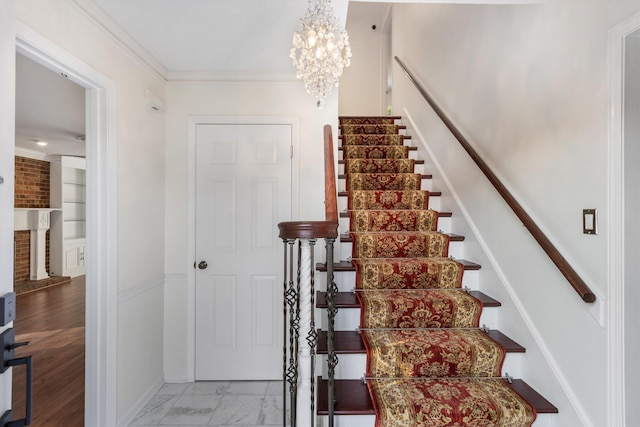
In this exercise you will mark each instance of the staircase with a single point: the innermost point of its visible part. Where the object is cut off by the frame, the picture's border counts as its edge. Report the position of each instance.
(353, 404)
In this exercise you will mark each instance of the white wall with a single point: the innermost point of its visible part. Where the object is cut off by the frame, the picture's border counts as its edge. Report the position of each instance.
(140, 193)
(7, 132)
(527, 85)
(228, 99)
(361, 90)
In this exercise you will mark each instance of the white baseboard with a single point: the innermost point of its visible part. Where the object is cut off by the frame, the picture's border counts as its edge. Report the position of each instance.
(142, 401)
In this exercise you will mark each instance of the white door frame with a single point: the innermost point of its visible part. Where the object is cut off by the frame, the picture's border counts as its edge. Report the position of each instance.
(193, 122)
(616, 399)
(100, 331)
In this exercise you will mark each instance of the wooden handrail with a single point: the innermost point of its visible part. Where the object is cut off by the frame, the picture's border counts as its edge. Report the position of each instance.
(319, 229)
(567, 271)
(330, 195)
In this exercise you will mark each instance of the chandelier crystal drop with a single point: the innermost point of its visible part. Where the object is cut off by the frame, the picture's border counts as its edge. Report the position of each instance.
(320, 50)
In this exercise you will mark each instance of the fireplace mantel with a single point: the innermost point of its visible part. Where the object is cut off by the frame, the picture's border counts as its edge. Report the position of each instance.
(31, 218)
(36, 220)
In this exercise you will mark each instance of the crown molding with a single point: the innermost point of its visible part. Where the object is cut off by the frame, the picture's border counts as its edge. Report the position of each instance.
(230, 76)
(120, 36)
(30, 154)
(486, 2)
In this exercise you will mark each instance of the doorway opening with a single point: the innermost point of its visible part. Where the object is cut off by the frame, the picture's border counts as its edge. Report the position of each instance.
(101, 230)
(50, 172)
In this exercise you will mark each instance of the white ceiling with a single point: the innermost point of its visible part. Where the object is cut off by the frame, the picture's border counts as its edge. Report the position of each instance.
(208, 39)
(50, 108)
(180, 40)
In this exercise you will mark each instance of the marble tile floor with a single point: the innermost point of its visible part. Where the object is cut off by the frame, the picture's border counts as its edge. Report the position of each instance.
(217, 403)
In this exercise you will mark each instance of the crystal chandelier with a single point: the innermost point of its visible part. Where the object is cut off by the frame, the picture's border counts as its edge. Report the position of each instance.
(320, 51)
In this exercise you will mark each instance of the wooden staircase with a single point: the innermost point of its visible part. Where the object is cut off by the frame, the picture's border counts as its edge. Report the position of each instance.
(353, 405)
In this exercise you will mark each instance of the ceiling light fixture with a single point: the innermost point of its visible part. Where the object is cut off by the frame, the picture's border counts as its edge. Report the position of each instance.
(42, 143)
(320, 50)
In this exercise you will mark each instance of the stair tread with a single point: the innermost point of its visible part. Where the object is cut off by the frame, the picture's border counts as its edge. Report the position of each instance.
(424, 176)
(411, 148)
(345, 265)
(431, 193)
(350, 342)
(350, 300)
(371, 124)
(352, 398)
(404, 136)
(370, 117)
(452, 237)
(440, 214)
(416, 161)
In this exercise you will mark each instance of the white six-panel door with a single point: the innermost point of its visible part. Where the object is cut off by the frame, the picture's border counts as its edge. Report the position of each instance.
(243, 189)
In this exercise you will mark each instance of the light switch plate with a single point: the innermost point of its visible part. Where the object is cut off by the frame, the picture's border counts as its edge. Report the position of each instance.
(590, 221)
(7, 308)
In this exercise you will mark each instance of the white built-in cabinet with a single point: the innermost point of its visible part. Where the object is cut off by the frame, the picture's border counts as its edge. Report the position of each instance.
(68, 226)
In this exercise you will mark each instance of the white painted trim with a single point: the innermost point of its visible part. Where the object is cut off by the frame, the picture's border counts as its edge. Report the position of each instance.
(544, 349)
(242, 83)
(104, 21)
(100, 360)
(175, 279)
(515, 2)
(140, 403)
(139, 290)
(616, 399)
(231, 76)
(31, 154)
(176, 378)
(193, 121)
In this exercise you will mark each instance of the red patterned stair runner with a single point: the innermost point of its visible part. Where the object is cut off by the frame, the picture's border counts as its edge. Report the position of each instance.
(428, 363)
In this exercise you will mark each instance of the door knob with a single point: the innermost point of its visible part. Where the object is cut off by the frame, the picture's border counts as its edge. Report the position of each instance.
(202, 265)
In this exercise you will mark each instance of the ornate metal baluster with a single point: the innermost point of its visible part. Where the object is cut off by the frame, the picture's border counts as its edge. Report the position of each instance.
(284, 336)
(291, 375)
(312, 336)
(332, 358)
(287, 299)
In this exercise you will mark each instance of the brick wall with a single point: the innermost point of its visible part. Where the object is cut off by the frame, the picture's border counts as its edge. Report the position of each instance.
(32, 190)
(32, 183)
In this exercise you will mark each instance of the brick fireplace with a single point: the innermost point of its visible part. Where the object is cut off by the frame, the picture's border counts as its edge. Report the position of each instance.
(32, 190)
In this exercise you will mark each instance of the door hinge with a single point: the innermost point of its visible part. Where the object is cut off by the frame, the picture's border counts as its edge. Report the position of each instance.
(291, 151)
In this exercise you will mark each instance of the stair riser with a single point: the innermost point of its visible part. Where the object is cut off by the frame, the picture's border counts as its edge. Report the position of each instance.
(354, 366)
(350, 366)
(348, 319)
(434, 203)
(425, 185)
(513, 365)
(444, 225)
(348, 421)
(345, 280)
(456, 249)
(417, 168)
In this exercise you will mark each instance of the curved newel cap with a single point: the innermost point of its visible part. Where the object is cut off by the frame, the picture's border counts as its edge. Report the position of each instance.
(308, 230)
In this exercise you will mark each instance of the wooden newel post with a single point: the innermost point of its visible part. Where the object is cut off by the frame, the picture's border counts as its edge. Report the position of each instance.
(299, 326)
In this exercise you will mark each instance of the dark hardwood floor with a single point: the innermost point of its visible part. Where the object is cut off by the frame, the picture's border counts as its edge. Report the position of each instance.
(53, 320)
